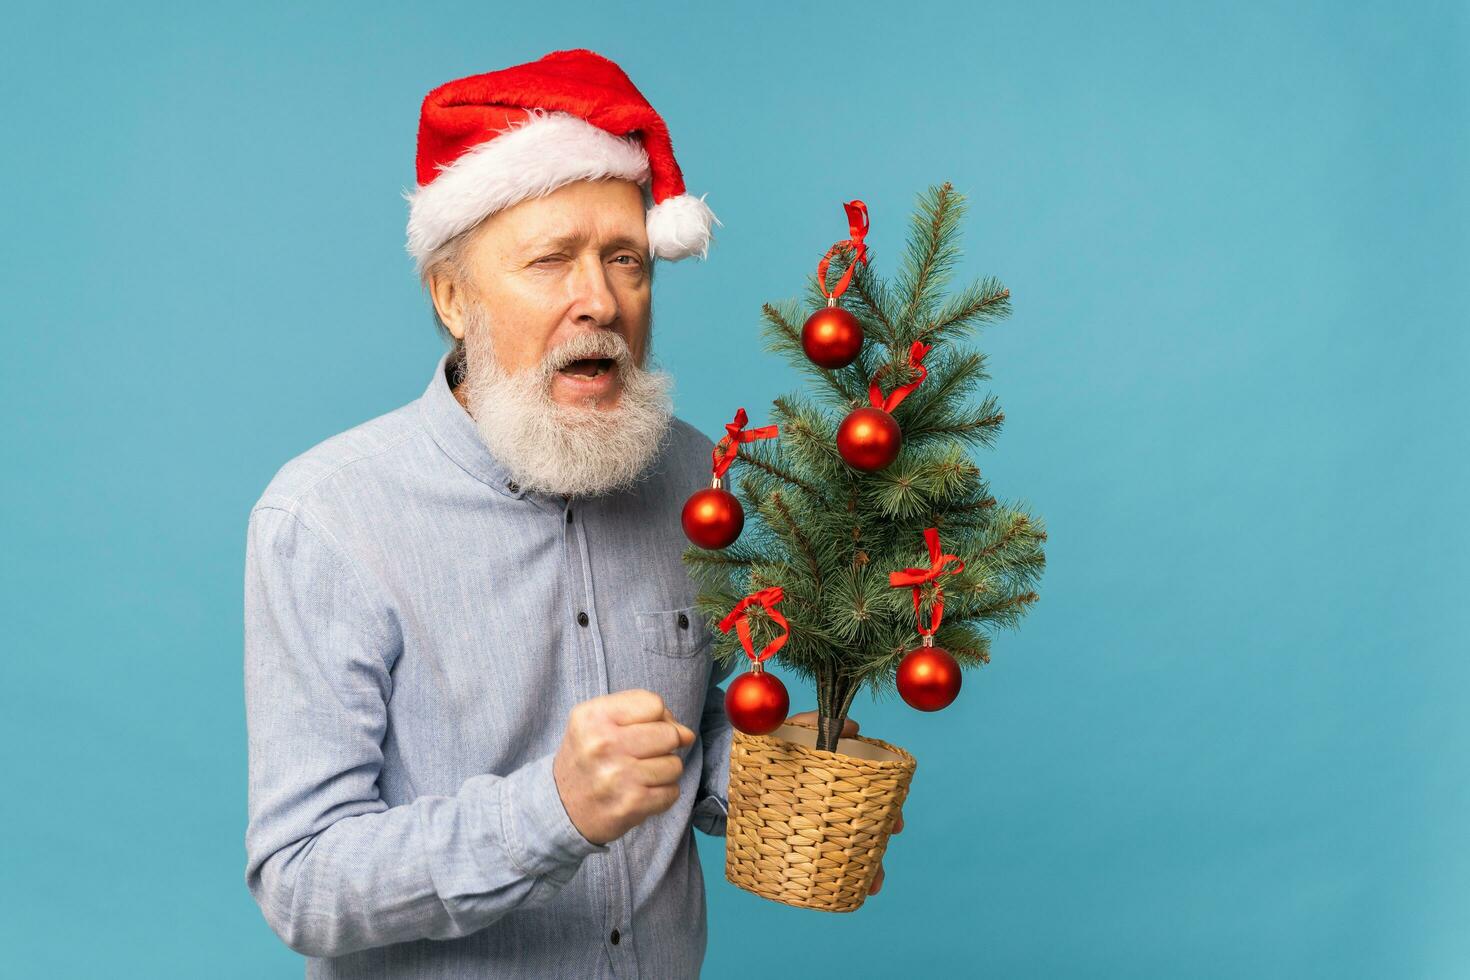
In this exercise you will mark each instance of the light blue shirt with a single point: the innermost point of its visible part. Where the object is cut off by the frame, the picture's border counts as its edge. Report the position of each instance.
(417, 628)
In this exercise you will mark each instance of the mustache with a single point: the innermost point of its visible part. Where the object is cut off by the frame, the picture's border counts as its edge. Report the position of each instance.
(587, 345)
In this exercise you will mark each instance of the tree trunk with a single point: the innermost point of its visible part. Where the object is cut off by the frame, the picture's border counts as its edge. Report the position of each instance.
(833, 714)
(828, 731)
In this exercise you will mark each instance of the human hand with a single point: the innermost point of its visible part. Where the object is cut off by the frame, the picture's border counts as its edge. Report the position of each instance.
(619, 762)
(878, 878)
(850, 727)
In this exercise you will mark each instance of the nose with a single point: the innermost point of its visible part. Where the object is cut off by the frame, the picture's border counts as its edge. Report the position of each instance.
(593, 301)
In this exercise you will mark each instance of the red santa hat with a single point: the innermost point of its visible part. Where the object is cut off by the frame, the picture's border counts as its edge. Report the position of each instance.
(489, 141)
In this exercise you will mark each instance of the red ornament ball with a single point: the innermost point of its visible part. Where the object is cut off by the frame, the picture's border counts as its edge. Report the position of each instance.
(832, 337)
(928, 678)
(756, 703)
(713, 518)
(869, 439)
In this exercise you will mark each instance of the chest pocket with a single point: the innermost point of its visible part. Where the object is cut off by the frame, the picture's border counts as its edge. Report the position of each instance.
(676, 633)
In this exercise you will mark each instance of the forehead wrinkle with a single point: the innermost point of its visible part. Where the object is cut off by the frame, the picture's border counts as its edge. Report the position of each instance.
(553, 240)
(571, 240)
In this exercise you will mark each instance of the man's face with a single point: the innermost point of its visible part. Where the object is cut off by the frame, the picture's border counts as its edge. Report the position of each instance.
(555, 323)
(551, 268)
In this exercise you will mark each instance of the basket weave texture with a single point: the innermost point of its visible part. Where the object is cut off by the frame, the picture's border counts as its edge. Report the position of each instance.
(808, 827)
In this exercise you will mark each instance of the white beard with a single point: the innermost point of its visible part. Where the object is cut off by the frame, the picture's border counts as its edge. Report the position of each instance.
(574, 450)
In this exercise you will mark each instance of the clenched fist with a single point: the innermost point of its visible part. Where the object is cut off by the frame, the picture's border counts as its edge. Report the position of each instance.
(619, 762)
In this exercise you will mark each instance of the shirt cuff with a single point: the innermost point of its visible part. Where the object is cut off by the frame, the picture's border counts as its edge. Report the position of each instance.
(711, 816)
(539, 834)
(712, 806)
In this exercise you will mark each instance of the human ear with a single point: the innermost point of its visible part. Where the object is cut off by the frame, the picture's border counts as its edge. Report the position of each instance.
(448, 294)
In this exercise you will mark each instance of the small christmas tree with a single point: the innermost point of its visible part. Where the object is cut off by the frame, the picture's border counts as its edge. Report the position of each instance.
(829, 533)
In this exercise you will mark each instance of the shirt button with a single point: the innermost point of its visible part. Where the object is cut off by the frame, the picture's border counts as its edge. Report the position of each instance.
(582, 619)
(615, 937)
(683, 621)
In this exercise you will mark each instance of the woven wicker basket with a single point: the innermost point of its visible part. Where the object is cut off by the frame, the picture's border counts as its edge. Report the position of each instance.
(808, 827)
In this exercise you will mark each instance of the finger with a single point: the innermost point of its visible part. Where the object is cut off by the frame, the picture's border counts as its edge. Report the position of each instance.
(633, 706)
(849, 726)
(649, 739)
(877, 881)
(686, 734)
(661, 771)
(660, 798)
(898, 824)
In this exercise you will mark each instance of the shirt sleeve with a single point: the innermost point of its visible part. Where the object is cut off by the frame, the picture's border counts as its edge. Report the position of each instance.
(333, 868)
(712, 806)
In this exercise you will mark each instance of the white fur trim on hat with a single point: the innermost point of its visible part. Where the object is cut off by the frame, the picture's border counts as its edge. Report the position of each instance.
(528, 160)
(679, 227)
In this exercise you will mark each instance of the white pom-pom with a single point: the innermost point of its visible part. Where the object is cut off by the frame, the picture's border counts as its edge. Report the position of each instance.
(680, 227)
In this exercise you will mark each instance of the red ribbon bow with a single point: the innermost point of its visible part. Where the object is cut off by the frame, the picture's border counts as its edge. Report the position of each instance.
(735, 433)
(916, 361)
(916, 577)
(857, 229)
(737, 618)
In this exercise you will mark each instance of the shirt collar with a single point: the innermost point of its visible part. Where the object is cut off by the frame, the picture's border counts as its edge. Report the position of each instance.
(456, 434)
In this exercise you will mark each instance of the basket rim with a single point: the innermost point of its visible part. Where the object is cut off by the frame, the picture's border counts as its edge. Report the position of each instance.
(905, 759)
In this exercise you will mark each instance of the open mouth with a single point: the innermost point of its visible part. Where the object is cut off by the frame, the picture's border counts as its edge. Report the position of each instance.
(589, 367)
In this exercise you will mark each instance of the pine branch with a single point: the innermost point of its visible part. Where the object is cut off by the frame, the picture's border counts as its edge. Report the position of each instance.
(983, 300)
(965, 641)
(1018, 526)
(961, 522)
(979, 428)
(945, 404)
(1009, 551)
(952, 375)
(874, 298)
(931, 252)
(698, 556)
(758, 459)
(1004, 608)
(859, 603)
(812, 447)
(912, 487)
(980, 593)
(801, 539)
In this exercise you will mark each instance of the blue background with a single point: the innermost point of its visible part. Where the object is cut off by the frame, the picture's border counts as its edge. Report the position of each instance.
(1231, 740)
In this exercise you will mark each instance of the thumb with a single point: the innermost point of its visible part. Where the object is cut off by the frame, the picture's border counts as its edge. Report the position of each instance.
(686, 735)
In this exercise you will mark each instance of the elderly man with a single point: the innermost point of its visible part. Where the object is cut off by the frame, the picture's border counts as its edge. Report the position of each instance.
(482, 716)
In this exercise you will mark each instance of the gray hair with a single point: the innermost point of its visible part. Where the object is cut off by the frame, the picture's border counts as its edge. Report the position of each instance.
(447, 260)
